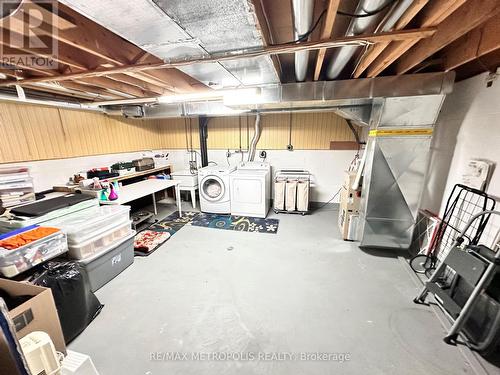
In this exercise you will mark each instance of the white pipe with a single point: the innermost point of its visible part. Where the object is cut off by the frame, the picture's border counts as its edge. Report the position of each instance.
(342, 56)
(50, 103)
(302, 23)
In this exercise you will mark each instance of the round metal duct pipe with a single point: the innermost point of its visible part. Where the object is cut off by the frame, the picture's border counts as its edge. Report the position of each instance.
(302, 23)
(342, 56)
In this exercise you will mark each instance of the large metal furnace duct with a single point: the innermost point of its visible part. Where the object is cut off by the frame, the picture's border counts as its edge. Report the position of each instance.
(396, 162)
(302, 23)
(342, 56)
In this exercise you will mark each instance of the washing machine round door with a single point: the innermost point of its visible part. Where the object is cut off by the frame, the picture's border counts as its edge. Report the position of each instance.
(212, 188)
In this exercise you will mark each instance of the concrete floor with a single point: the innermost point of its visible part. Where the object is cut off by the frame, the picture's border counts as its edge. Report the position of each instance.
(302, 290)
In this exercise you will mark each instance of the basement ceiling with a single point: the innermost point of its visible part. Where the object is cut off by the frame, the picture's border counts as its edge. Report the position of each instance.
(188, 28)
(111, 50)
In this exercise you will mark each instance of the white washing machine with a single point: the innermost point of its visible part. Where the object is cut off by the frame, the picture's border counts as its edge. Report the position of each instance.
(214, 189)
(251, 189)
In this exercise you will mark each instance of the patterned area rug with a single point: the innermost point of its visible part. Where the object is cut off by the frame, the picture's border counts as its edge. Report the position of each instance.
(238, 223)
(147, 241)
(150, 239)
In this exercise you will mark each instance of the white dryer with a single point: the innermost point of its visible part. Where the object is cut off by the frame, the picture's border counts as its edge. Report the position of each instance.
(214, 189)
(251, 189)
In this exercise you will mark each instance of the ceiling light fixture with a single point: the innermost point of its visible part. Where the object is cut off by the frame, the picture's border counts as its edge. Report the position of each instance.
(250, 94)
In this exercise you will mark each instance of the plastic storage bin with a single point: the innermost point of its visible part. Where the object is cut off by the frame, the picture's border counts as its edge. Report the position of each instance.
(10, 223)
(85, 224)
(97, 244)
(13, 262)
(16, 186)
(104, 267)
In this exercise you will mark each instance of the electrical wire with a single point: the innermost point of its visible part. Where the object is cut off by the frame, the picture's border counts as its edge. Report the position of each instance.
(331, 199)
(306, 35)
(368, 13)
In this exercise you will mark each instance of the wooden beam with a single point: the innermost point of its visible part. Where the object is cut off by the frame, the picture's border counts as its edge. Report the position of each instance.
(262, 23)
(375, 50)
(474, 44)
(120, 87)
(129, 78)
(57, 21)
(226, 56)
(466, 18)
(90, 89)
(326, 33)
(15, 40)
(432, 14)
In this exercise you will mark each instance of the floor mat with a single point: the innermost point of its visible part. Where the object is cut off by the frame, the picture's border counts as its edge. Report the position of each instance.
(150, 239)
(238, 223)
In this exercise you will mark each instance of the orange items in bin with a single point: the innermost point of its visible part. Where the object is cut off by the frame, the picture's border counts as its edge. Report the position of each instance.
(25, 238)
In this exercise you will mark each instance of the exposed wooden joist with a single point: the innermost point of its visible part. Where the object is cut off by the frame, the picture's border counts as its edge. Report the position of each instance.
(131, 80)
(14, 40)
(58, 22)
(262, 22)
(474, 44)
(120, 87)
(278, 49)
(375, 50)
(90, 89)
(466, 18)
(432, 14)
(104, 46)
(326, 33)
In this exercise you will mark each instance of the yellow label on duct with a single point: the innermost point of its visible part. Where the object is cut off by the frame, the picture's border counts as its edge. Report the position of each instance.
(404, 132)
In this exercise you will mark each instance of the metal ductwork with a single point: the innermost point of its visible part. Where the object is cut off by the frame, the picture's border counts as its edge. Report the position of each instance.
(302, 22)
(350, 98)
(396, 162)
(255, 139)
(369, 24)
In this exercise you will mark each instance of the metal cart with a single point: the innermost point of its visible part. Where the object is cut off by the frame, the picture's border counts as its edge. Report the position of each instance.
(474, 266)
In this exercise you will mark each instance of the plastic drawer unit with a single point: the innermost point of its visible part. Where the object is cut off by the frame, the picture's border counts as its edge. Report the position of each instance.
(13, 262)
(105, 266)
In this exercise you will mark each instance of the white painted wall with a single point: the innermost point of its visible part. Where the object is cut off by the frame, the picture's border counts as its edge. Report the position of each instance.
(326, 166)
(468, 127)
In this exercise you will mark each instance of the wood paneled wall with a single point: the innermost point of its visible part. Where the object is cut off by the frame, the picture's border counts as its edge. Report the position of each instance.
(31, 132)
(309, 131)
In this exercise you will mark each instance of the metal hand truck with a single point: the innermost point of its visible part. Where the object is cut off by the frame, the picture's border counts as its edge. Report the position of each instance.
(476, 265)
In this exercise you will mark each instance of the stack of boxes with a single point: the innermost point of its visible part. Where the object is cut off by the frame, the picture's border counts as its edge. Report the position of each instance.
(349, 207)
(16, 186)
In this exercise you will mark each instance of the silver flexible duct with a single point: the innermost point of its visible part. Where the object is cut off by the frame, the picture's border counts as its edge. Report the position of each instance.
(255, 139)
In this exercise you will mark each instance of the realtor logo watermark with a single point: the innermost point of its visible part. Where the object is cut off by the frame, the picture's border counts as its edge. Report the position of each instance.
(29, 34)
(250, 356)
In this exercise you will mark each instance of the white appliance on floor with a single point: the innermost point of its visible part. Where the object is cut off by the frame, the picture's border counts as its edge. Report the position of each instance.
(251, 189)
(214, 189)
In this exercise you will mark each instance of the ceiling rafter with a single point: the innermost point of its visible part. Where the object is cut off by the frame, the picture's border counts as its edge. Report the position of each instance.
(277, 49)
(96, 45)
(432, 14)
(326, 33)
(108, 83)
(12, 39)
(474, 44)
(374, 51)
(262, 23)
(469, 16)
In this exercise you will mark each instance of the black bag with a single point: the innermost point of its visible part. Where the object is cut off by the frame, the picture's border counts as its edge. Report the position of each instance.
(76, 305)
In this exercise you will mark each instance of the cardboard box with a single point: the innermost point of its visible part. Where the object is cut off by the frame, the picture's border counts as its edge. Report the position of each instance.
(37, 314)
